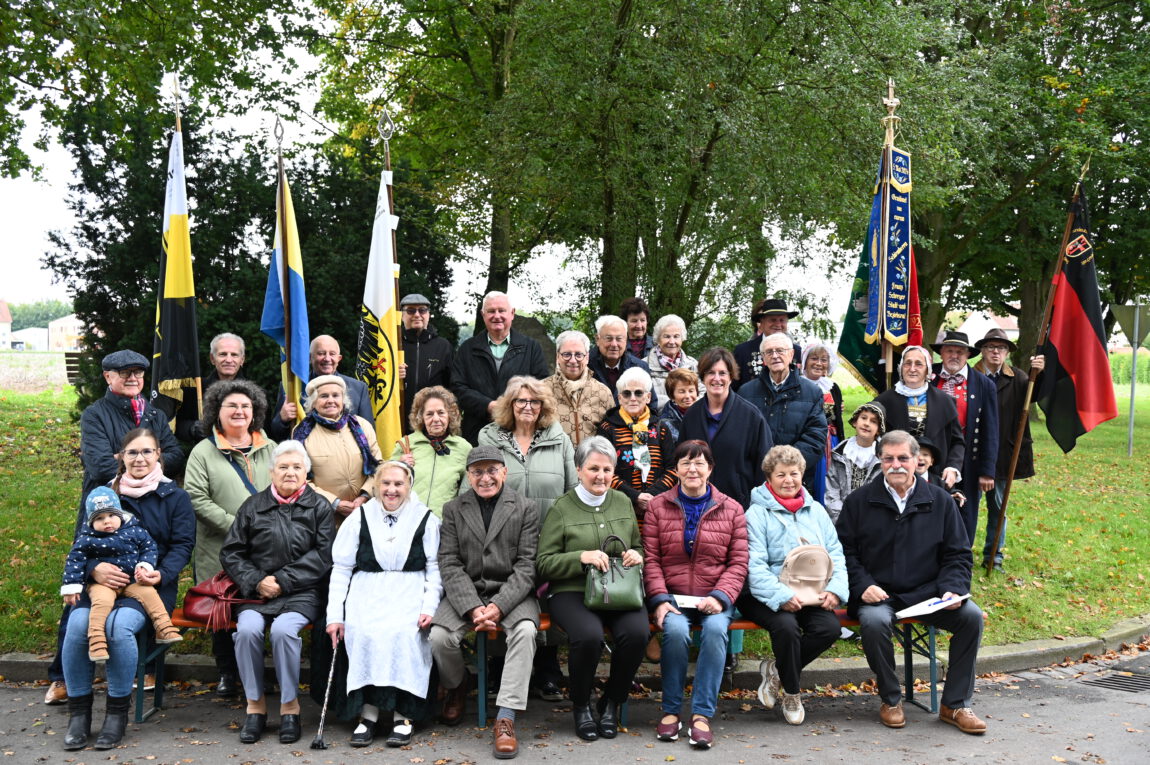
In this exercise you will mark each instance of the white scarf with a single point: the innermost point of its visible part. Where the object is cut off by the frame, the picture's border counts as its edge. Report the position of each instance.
(908, 392)
(587, 498)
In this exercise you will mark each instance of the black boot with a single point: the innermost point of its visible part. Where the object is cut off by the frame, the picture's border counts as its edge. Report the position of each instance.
(585, 727)
(115, 721)
(79, 722)
(608, 717)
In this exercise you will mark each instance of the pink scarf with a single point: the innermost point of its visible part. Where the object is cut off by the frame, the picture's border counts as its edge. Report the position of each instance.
(287, 500)
(138, 487)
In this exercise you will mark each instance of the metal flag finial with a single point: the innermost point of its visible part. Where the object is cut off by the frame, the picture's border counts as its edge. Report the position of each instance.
(385, 126)
(1085, 167)
(278, 132)
(890, 102)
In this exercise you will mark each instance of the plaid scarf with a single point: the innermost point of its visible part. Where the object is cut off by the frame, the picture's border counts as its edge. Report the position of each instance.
(304, 429)
(668, 363)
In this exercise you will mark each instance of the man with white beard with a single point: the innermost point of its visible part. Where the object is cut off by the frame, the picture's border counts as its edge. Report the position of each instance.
(904, 543)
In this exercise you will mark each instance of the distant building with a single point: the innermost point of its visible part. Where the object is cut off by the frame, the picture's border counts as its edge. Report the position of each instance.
(30, 339)
(5, 326)
(65, 333)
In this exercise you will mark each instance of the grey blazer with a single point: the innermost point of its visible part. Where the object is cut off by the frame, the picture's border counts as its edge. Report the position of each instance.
(494, 565)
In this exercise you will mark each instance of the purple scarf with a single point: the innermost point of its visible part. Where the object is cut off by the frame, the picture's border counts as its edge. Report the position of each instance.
(304, 429)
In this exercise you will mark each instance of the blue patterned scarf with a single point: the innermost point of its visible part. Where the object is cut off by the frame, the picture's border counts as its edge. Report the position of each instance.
(304, 429)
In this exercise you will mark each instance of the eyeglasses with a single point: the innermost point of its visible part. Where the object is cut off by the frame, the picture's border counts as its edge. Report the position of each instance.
(128, 374)
(776, 351)
(413, 310)
(568, 355)
(490, 472)
(145, 453)
(241, 407)
(888, 459)
(528, 403)
(994, 349)
(632, 393)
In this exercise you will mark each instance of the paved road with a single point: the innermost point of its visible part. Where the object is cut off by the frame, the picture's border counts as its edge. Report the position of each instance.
(1043, 716)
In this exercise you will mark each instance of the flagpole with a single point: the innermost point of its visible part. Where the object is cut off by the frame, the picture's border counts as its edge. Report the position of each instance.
(889, 121)
(1043, 335)
(386, 128)
(281, 216)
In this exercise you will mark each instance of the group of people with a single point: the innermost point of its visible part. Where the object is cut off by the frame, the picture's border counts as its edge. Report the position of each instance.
(513, 482)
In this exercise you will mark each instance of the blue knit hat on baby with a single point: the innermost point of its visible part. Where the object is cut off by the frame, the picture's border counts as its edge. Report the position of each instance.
(102, 500)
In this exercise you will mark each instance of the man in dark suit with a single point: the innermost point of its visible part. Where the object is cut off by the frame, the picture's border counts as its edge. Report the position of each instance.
(487, 549)
(487, 360)
(610, 358)
(976, 399)
(325, 358)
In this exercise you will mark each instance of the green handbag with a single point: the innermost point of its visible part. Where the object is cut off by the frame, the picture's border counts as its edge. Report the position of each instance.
(619, 588)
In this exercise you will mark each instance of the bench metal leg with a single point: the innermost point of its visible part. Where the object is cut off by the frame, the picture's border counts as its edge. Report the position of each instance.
(481, 671)
(908, 662)
(931, 635)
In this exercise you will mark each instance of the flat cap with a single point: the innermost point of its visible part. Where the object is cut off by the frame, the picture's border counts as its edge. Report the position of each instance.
(125, 359)
(414, 299)
(485, 454)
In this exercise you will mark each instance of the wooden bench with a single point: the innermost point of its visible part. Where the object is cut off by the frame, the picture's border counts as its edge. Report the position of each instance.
(915, 637)
(72, 366)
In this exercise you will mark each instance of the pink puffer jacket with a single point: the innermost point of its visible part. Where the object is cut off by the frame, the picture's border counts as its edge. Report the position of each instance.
(720, 560)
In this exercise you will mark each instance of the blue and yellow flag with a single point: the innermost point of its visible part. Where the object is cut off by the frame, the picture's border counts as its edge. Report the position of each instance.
(380, 351)
(285, 305)
(175, 349)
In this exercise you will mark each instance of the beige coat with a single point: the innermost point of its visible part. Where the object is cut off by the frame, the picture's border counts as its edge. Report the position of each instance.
(579, 417)
(337, 465)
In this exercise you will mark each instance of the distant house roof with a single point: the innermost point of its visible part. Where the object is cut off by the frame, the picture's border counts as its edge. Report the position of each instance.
(5, 314)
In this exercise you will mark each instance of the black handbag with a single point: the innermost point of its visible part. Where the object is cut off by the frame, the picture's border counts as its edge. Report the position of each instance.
(619, 588)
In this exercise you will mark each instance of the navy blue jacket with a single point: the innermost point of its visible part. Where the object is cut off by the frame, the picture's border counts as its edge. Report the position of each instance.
(794, 413)
(168, 516)
(981, 431)
(740, 443)
(126, 547)
(599, 369)
(357, 400)
(919, 554)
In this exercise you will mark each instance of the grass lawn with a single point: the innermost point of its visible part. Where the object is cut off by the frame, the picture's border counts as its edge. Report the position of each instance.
(1077, 557)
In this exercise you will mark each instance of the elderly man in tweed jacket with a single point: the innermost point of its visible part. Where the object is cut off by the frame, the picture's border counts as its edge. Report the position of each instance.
(487, 561)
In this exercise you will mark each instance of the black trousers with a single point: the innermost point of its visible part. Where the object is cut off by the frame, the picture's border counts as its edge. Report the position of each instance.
(584, 628)
(797, 638)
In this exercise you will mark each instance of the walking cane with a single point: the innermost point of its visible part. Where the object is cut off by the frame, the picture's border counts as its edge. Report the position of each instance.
(318, 742)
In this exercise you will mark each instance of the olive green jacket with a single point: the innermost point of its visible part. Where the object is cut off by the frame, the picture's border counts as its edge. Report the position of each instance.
(572, 527)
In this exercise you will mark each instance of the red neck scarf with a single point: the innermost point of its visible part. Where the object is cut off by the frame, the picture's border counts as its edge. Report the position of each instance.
(793, 504)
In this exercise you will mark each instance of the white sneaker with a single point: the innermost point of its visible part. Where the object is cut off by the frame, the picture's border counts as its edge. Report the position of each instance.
(793, 711)
(770, 685)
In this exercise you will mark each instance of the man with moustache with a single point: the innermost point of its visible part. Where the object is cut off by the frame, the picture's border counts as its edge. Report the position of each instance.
(325, 358)
(904, 543)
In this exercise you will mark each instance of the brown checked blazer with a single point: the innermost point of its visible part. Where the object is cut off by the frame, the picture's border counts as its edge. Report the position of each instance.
(494, 565)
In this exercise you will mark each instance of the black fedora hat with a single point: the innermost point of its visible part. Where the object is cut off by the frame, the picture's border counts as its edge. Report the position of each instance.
(953, 337)
(998, 336)
(771, 307)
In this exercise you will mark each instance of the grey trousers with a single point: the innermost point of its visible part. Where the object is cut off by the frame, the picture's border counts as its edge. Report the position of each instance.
(286, 648)
(876, 622)
(516, 666)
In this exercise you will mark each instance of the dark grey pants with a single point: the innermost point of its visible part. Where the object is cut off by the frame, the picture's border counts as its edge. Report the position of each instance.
(876, 622)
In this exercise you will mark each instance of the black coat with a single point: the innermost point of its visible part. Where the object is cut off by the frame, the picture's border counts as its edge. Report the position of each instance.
(740, 443)
(428, 358)
(794, 414)
(599, 369)
(290, 542)
(1010, 387)
(980, 435)
(168, 516)
(919, 554)
(942, 426)
(103, 426)
(476, 381)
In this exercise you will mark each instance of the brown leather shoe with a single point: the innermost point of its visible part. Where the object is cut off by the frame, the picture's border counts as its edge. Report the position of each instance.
(454, 703)
(506, 746)
(963, 718)
(57, 693)
(892, 717)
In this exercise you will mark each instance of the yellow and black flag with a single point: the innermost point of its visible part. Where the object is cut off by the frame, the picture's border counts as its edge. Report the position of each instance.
(176, 353)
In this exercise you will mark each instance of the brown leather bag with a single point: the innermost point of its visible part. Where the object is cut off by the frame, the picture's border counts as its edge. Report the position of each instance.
(211, 601)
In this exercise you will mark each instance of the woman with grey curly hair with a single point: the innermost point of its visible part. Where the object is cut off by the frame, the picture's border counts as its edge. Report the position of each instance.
(434, 449)
(231, 464)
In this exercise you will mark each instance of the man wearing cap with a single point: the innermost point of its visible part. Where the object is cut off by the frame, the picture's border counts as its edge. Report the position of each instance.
(610, 358)
(103, 426)
(1010, 383)
(487, 360)
(426, 355)
(976, 398)
(487, 549)
(768, 317)
(325, 358)
(904, 543)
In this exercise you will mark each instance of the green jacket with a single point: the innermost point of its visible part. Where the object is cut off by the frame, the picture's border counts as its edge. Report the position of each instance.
(217, 493)
(437, 478)
(550, 466)
(573, 527)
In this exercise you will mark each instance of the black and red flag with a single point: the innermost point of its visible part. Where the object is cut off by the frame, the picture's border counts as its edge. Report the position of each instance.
(1076, 391)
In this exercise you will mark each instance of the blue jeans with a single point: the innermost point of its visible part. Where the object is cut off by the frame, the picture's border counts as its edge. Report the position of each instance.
(993, 513)
(708, 665)
(121, 629)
